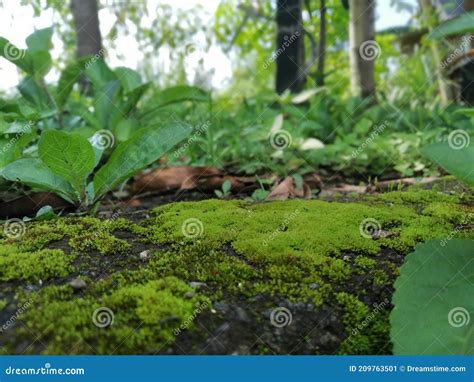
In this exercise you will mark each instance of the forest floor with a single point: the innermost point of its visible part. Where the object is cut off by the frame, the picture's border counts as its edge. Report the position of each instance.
(218, 277)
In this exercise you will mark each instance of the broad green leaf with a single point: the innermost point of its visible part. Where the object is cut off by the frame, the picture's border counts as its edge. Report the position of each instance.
(34, 93)
(129, 78)
(99, 73)
(45, 213)
(125, 107)
(69, 156)
(455, 155)
(41, 62)
(16, 56)
(105, 102)
(69, 76)
(433, 300)
(34, 173)
(125, 129)
(177, 94)
(40, 40)
(459, 25)
(467, 111)
(145, 147)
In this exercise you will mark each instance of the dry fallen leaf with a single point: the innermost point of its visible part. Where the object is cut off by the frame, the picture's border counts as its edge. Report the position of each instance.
(287, 190)
(187, 178)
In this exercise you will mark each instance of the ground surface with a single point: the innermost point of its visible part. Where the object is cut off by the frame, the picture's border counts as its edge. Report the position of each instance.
(217, 277)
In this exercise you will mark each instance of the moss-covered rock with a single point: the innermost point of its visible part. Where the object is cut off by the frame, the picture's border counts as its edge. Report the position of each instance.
(308, 277)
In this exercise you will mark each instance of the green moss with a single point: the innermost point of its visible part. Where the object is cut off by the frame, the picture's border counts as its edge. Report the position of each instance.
(293, 250)
(33, 266)
(139, 318)
(364, 262)
(3, 304)
(418, 197)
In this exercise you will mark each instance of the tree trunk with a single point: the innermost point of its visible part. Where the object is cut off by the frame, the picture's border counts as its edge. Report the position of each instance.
(322, 44)
(363, 49)
(290, 61)
(86, 21)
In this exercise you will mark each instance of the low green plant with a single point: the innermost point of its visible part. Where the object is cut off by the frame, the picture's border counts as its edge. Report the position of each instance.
(224, 192)
(433, 300)
(67, 162)
(432, 303)
(110, 104)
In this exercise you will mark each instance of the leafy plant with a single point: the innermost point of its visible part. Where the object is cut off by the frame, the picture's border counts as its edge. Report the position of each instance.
(110, 105)
(454, 160)
(433, 306)
(224, 192)
(459, 25)
(66, 162)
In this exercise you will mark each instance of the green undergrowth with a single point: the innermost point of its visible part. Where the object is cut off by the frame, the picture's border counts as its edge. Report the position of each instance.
(147, 274)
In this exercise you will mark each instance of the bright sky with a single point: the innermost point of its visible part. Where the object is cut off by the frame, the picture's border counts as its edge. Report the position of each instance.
(17, 22)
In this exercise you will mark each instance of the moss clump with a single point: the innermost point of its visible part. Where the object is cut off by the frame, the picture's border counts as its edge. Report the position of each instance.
(309, 252)
(33, 266)
(3, 304)
(138, 318)
(418, 197)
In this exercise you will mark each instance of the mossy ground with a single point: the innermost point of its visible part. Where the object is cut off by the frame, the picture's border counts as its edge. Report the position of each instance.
(207, 277)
